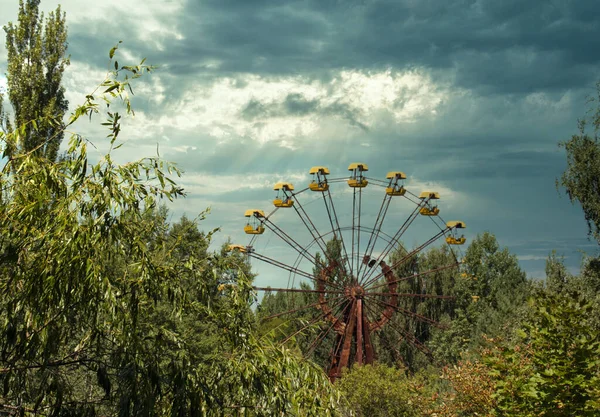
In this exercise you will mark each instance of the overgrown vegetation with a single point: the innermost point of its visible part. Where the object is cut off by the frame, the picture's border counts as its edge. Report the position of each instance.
(106, 308)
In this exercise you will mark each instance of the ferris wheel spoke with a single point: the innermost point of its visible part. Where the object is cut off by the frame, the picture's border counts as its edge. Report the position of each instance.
(408, 277)
(390, 246)
(318, 340)
(357, 182)
(317, 237)
(407, 256)
(393, 187)
(415, 197)
(287, 267)
(310, 226)
(357, 208)
(409, 338)
(353, 231)
(374, 235)
(340, 311)
(295, 193)
(306, 326)
(290, 241)
(412, 314)
(371, 315)
(252, 240)
(411, 295)
(377, 181)
(335, 227)
(281, 265)
(296, 290)
(322, 316)
(305, 307)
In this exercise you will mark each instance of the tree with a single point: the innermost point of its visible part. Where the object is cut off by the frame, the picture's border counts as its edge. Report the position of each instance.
(378, 390)
(557, 276)
(553, 370)
(471, 391)
(399, 341)
(581, 179)
(36, 61)
(501, 287)
(99, 297)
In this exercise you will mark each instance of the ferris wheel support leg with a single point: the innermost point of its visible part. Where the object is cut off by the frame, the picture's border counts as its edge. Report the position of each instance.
(345, 356)
(335, 358)
(369, 353)
(359, 332)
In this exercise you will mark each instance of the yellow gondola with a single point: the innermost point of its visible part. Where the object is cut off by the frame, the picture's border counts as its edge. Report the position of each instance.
(456, 241)
(429, 210)
(394, 188)
(284, 197)
(319, 182)
(254, 225)
(453, 239)
(357, 179)
(250, 230)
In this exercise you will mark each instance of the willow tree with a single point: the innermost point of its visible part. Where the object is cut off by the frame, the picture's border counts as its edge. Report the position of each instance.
(36, 62)
(97, 298)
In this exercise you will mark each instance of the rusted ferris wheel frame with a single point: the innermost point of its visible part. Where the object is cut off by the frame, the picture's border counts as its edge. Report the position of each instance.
(352, 307)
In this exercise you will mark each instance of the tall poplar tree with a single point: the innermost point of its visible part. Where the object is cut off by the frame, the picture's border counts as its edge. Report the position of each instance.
(36, 62)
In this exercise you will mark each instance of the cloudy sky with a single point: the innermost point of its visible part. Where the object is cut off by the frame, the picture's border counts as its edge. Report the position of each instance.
(467, 97)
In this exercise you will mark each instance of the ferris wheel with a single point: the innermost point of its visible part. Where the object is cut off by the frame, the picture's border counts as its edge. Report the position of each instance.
(348, 254)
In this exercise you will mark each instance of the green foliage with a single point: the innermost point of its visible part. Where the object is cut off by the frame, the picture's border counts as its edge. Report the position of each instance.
(36, 61)
(492, 293)
(581, 179)
(554, 370)
(416, 316)
(489, 290)
(557, 276)
(106, 309)
(377, 390)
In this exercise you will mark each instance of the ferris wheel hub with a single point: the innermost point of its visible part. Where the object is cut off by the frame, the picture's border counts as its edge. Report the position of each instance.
(355, 291)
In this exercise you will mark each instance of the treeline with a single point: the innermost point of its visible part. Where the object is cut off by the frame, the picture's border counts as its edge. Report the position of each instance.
(504, 345)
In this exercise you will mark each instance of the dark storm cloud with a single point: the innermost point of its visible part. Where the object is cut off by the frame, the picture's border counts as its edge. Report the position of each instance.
(506, 46)
(91, 45)
(295, 104)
